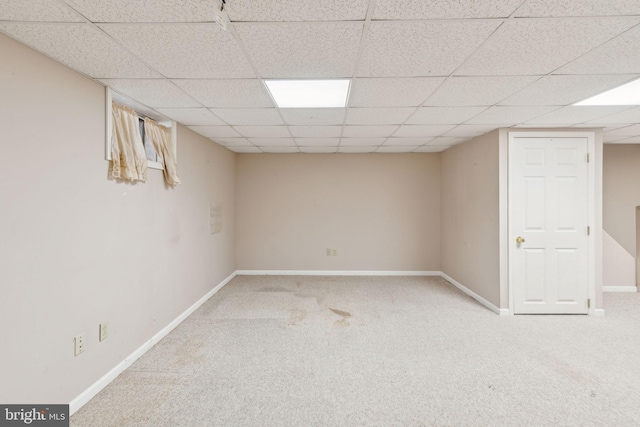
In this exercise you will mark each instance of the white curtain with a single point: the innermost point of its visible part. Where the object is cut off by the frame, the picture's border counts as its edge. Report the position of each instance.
(160, 137)
(128, 158)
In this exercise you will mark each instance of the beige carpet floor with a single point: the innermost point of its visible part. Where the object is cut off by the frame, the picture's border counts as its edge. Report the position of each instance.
(378, 351)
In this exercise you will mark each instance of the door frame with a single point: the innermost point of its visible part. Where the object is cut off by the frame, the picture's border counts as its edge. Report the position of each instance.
(591, 207)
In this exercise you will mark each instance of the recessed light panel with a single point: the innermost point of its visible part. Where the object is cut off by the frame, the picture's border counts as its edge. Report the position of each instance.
(309, 93)
(627, 94)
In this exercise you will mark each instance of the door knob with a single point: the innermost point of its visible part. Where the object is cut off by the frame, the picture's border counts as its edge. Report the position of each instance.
(519, 239)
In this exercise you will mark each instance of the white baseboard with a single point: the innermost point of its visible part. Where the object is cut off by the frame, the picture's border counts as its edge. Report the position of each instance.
(489, 305)
(96, 387)
(334, 273)
(619, 289)
(598, 312)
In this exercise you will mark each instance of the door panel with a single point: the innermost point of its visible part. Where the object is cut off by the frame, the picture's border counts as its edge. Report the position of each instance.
(548, 208)
(567, 263)
(535, 206)
(535, 275)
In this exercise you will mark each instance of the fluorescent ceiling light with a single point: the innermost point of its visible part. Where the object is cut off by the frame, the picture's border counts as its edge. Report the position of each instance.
(309, 93)
(627, 94)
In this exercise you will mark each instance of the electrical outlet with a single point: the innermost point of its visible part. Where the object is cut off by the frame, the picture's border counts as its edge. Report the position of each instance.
(78, 344)
(334, 252)
(103, 331)
(328, 252)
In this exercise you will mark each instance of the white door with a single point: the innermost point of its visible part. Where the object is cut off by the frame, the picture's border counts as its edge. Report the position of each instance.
(548, 229)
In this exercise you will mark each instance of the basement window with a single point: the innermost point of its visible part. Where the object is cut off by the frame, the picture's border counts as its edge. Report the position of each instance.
(154, 160)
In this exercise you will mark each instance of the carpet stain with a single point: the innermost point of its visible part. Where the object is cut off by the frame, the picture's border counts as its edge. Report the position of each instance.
(344, 314)
(188, 355)
(298, 283)
(297, 316)
(344, 322)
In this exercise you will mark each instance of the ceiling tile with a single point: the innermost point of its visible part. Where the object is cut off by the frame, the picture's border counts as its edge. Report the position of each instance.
(534, 8)
(308, 142)
(626, 131)
(392, 92)
(632, 140)
(619, 55)
(565, 90)
(138, 107)
(152, 92)
(508, 115)
(313, 116)
(146, 11)
(612, 138)
(470, 131)
(273, 142)
(247, 150)
(614, 127)
(232, 142)
(412, 49)
(573, 114)
(184, 50)
(443, 115)
(396, 149)
(191, 116)
(263, 131)
(297, 10)
(280, 150)
(316, 131)
(447, 140)
(302, 50)
(422, 131)
(531, 46)
(432, 148)
(477, 91)
(356, 149)
(444, 9)
(542, 126)
(382, 116)
(37, 10)
(319, 149)
(368, 131)
(81, 47)
(627, 116)
(249, 116)
(362, 141)
(215, 131)
(408, 141)
(620, 134)
(227, 93)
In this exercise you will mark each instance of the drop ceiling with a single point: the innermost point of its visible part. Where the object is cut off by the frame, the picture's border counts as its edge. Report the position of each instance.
(426, 75)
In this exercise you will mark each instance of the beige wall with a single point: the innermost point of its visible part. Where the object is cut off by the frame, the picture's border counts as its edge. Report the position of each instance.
(79, 249)
(621, 195)
(470, 215)
(381, 212)
(621, 170)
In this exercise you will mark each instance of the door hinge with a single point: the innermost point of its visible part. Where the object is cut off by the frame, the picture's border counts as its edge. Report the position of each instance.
(588, 230)
(588, 158)
(589, 303)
